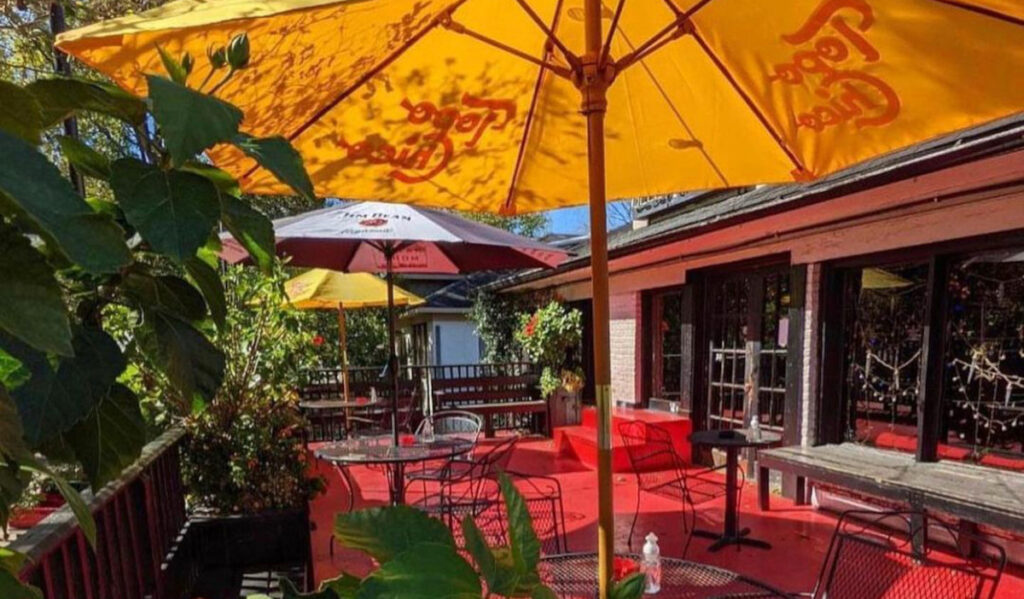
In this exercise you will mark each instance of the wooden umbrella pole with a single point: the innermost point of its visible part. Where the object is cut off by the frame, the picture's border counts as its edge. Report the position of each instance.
(593, 86)
(343, 347)
(389, 253)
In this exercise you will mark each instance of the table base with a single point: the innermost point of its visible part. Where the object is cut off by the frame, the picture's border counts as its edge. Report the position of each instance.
(740, 538)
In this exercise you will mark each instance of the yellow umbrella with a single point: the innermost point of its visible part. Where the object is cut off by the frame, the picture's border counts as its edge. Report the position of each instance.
(511, 105)
(323, 289)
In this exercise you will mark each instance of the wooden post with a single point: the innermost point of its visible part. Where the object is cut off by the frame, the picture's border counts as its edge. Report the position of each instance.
(343, 348)
(593, 87)
(933, 357)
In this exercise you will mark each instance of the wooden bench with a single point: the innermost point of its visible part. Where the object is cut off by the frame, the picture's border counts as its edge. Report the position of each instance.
(974, 494)
(491, 396)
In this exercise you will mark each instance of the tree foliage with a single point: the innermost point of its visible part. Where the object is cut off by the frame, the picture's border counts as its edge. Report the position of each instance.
(496, 316)
(145, 251)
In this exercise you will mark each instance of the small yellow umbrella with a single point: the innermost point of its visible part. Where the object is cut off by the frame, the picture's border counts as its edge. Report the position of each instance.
(323, 289)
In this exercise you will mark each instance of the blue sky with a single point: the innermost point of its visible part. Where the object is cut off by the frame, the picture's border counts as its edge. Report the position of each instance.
(573, 220)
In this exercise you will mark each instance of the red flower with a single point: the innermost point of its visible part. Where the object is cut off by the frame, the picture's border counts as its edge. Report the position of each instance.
(318, 340)
(623, 567)
(530, 326)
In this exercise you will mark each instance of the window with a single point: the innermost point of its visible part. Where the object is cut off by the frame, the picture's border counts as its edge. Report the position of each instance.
(885, 311)
(984, 388)
(668, 358)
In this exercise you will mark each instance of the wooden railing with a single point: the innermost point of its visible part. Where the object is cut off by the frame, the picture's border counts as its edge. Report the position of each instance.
(139, 520)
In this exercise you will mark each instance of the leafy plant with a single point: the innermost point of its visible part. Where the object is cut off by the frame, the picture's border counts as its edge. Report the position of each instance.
(147, 246)
(496, 316)
(551, 337)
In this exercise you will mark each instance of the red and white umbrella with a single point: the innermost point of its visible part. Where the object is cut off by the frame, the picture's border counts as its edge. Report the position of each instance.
(390, 238)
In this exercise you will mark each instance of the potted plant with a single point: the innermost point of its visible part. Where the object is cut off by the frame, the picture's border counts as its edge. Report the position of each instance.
(551, 338)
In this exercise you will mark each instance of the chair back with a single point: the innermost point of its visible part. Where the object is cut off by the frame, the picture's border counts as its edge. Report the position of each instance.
(649, 449)
(455, 424)
(872, 555)
(542, 496)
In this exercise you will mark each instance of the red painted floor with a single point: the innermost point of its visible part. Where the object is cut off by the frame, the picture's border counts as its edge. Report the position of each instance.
(799, 534)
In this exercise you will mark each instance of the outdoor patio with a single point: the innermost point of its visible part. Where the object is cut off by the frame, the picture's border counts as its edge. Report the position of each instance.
(799, 534)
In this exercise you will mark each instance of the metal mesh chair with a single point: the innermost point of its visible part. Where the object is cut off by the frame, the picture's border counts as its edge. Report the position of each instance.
(659, 470)
(873, 555)
(543, 498)
(455, 424)
(461, 487)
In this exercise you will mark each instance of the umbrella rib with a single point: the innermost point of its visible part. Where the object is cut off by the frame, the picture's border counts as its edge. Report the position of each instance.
(509, 200)
(572, 59)
(390, 58)
(799, 167)
(457, 27)
(614, 25)
(659, 39)
(986, 12)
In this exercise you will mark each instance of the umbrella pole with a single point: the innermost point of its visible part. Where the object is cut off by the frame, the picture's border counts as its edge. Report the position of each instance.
(343, 347)
(389, 253)
(593, 88)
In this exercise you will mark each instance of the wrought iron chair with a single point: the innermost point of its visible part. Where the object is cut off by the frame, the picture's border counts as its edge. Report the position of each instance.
(888, 554)
(455, 424)
(659, 470)
(543, 498)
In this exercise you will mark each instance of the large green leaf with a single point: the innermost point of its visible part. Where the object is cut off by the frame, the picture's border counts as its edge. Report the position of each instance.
(186, 356)
(251, 229)
(71, 496)
(190, 121)
(166, 292)
(87, 160)
(344, 586)
(174, 211)
(173, 66)
(61, 98)
(20, 114)
(631, 587)
(33, 187)
(208, 281)
(12, 435)
(423, 571)
(385, 532)
(523, 541)
(56, 397)
(110, 438)
(499, 573)
(32, 304)
(277, 155)
(221, 179)
(12, 588)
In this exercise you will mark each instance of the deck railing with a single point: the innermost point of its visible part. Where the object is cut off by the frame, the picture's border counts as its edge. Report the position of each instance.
(371, 375)
(139, 519)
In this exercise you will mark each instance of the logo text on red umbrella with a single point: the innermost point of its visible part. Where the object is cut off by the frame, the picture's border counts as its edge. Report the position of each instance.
(828, 41)
(423, 155)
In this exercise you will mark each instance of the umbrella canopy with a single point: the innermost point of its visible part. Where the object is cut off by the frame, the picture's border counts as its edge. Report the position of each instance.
(357, 238)
(517, 105)
(323, 289)
(417, 100)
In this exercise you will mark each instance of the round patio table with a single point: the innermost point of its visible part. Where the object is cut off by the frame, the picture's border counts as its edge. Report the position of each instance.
(378, 450)
(574, 576)
(732, 441)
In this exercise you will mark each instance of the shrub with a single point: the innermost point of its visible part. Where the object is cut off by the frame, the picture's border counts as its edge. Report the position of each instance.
(551, 337)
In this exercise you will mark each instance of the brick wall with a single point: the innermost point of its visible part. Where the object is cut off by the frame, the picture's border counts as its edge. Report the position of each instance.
(623, 332)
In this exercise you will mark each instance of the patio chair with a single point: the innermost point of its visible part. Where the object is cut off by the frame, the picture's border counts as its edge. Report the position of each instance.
(456, 424)
(873, 555)
(659, 470)
(543, 498)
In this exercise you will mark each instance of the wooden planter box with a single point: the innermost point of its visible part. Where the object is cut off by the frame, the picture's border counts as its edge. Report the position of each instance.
(255, 540)
(564, 408)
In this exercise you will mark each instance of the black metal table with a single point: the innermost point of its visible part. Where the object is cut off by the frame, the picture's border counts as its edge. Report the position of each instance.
(574, 576)
(732, 441)
(379, 450)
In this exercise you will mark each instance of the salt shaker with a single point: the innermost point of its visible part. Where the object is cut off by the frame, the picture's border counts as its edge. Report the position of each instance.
(650, 565)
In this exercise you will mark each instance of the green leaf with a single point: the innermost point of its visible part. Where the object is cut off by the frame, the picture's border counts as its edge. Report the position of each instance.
(251, 229)
(174, 211)
(190, 121)
(63, 97)
(55, 398)
(522, 539)
(20, 114)
(32, 305)
(12, 435)
(87, 160)
(277, 155)
(166, 292)
(71, 496)
(423, 571)
(222, 180)
(385, 532)
(206, 278)
(186, 356)
(12, 588)
(174, 68)
(110, 438)
(344, 586)
(11, 560)
(499, 573)
(13, 482)
(631, 587)
(35, 189)
(543, 592)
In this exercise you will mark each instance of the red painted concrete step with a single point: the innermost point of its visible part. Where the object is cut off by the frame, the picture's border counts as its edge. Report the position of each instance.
(580, 442)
